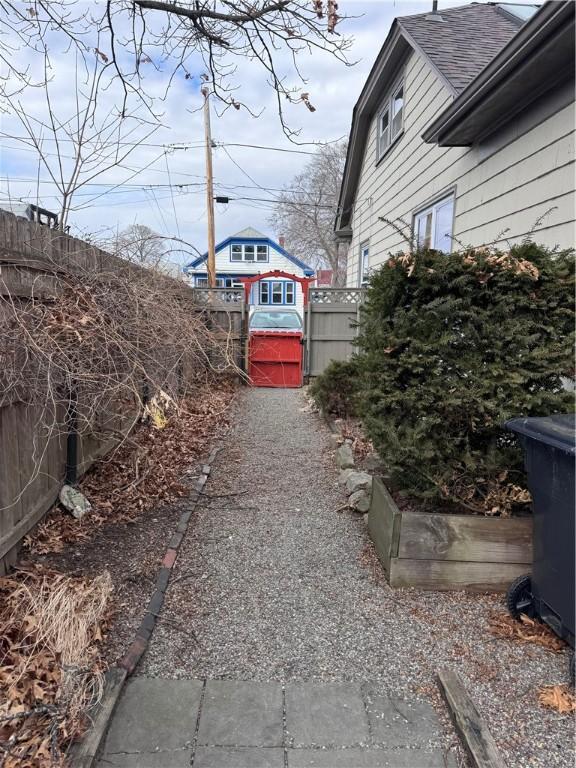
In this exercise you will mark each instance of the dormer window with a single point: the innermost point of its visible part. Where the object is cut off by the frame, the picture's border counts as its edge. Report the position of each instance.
(390, 120)
(248, 252)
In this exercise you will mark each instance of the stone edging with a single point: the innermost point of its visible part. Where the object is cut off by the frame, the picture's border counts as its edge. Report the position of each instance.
(85, 754)
(357, 483)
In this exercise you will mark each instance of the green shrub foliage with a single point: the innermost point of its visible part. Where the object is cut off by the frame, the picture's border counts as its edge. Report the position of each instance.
(335, 390)
(450, 347)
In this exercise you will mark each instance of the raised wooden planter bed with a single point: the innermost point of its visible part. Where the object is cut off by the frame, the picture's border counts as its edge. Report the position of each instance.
(441, 551)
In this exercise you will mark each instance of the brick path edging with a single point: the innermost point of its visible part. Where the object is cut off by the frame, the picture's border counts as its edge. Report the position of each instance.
(86, 752)
(138, 646)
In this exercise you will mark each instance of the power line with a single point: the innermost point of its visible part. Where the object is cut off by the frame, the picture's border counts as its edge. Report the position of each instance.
(270, 149)
(171, 145)
(124, 187)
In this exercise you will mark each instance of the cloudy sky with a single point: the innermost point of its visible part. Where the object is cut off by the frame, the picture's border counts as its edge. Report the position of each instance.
(137, 191)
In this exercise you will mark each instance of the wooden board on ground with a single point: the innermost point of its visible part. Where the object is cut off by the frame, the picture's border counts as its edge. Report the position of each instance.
(473, 730)
(86, 752)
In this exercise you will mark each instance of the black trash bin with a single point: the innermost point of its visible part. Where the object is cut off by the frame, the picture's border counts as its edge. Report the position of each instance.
(549, 453)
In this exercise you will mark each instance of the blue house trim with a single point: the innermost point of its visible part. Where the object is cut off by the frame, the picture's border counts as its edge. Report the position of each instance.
(308, 271)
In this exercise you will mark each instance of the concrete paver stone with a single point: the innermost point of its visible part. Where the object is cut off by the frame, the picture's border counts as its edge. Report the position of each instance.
(328, 714)
(368, 758)
(155, 714)
(239, 757)
(180, 758)
(395, 722)
(241, 714)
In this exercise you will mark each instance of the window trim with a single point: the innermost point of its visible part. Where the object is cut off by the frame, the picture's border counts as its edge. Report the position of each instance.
(243, 259)
(431, 206)
(362, 272)
(399, 84)
(269, 293)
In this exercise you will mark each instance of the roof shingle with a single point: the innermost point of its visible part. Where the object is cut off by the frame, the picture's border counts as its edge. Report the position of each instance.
(464, 42)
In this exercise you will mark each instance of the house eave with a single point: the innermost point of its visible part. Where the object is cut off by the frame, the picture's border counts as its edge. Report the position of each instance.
(542, 52)
(193, 265)
(385, 67)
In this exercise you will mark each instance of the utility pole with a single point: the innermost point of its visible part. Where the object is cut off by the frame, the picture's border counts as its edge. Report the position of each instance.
(211, 265)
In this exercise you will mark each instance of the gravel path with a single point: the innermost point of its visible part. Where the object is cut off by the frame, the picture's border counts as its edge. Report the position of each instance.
(273, 583)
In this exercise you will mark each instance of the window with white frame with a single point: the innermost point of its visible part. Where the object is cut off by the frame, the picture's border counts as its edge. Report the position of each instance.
(434, 225)
(248, 252)
(390, 119)
(277, 292)
(221, 282)
(364, 263)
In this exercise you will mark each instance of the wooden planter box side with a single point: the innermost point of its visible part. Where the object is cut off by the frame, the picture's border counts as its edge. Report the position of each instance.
(440, 551)
(384, 519)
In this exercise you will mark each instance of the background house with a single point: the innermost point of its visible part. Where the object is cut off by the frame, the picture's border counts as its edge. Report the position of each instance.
(465, 131)
(249, 253)
(324, 278)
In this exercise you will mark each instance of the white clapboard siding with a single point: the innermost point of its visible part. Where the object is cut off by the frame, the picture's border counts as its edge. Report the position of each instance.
(507, 182)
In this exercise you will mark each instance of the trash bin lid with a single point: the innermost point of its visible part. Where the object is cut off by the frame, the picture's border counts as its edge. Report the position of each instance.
(558, 431)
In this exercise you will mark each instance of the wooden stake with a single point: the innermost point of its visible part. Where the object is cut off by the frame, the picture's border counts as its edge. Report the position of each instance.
(211, 265)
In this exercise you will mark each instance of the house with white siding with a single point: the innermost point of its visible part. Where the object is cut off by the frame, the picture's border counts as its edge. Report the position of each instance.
(463, 134)
(250, 253)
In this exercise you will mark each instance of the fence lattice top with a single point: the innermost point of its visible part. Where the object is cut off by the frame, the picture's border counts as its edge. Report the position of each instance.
(224, 295)
(337, 295)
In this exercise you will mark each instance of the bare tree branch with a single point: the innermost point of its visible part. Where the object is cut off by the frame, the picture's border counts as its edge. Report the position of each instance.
(306, 212)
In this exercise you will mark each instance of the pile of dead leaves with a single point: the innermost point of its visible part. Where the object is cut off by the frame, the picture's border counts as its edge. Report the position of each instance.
(145, 472)
(557, 697)
(526, 630)
(51, 672)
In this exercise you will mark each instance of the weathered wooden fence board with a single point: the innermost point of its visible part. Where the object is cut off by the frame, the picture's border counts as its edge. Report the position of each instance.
(330, 326)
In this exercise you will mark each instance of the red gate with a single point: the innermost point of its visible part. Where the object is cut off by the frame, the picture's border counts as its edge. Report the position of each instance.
(275, 359)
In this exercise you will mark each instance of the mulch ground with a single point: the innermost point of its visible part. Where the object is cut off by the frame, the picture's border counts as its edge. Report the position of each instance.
(136, 496)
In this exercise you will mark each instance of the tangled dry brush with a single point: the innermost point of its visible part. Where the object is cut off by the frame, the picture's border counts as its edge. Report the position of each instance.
(93, 344)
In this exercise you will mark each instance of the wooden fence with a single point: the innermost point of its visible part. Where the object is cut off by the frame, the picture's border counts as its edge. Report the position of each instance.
(33, 459)
(330, 326)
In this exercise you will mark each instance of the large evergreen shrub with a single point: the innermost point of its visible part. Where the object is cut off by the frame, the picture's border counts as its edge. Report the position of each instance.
(450, 347)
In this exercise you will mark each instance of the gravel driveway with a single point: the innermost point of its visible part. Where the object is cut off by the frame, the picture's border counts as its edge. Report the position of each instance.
(274, 582)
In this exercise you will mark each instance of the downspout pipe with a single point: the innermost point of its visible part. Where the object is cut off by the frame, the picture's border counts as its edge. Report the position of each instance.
(71, 476)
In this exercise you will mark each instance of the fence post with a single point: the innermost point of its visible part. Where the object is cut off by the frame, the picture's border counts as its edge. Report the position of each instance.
(308, 334)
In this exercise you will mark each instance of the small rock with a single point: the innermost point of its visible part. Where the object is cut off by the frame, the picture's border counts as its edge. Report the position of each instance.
(344, 475)
(335, 440)
(74, 501)
(373, 462)
(358, 481)
(365, 517)
(359, 501)
(345, 457)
